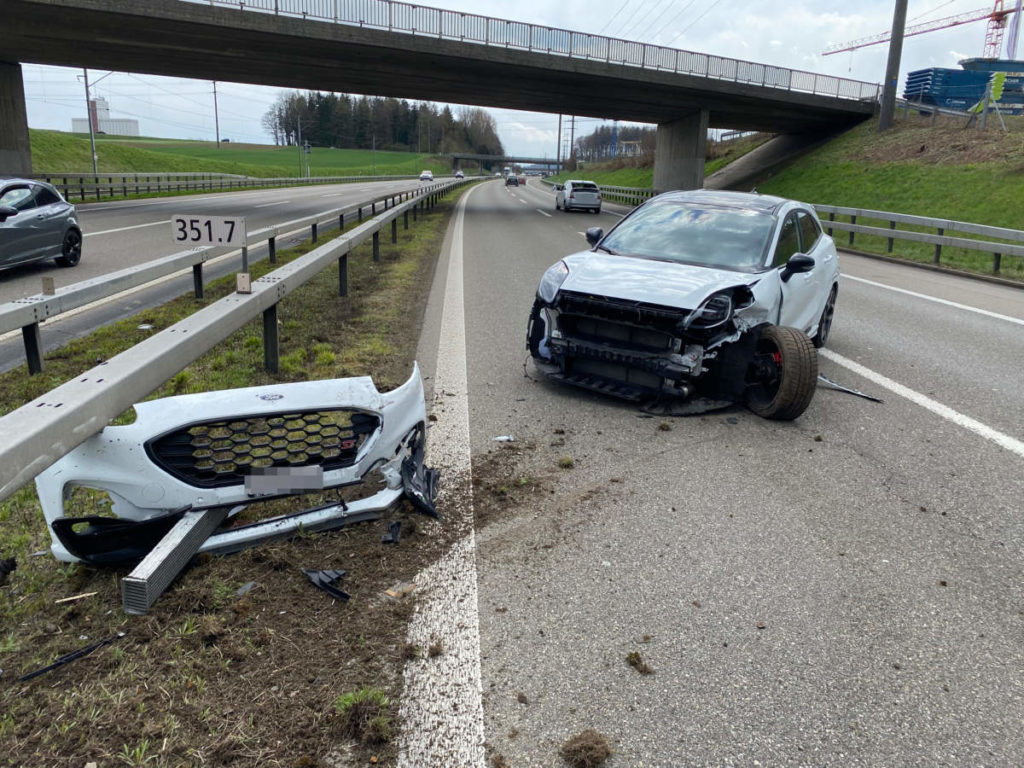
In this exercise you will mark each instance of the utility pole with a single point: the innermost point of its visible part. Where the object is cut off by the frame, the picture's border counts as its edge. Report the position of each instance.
(892, 67)
(216, 117)
(298, 142)
(90, 114)
(558, 153)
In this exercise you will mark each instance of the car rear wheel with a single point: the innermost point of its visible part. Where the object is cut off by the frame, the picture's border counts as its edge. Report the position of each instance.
(825, 322)
(71, 249)
(783, 375)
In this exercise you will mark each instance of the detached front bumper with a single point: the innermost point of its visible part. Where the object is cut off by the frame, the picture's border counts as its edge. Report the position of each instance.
(234, 447)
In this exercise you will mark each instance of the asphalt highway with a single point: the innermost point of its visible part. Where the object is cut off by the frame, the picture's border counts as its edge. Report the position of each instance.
(844, 589)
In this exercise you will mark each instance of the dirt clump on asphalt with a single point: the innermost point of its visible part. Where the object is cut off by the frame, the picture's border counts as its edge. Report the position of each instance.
(587, 749)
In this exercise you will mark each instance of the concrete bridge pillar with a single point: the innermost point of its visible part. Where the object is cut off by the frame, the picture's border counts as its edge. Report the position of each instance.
(15, 152)
(679, 153)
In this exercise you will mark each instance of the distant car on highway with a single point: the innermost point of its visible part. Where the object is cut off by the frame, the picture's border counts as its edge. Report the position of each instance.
(577, 194)
(698, 299)
(460, 175)
(427, 176)
(36, 223)
(511, 181)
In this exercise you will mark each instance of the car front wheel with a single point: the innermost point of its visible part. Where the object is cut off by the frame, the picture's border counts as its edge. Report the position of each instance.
(783, 374)
(825, 322)
(71, 249)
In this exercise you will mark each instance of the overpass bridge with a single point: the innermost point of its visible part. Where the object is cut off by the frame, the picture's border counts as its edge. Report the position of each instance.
(388, 48)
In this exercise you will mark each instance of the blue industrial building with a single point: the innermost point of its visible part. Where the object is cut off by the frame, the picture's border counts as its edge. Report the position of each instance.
(962, 88)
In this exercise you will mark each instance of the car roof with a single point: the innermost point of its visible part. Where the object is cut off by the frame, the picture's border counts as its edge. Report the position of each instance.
(720, 198)
(580, 181)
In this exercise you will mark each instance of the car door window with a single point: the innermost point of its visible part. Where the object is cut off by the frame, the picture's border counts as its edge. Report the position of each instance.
(809, 231)
(789, 241)
(19, 198)
(45, 196)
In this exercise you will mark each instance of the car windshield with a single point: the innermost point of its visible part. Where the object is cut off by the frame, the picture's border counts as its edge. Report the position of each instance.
(724, 238)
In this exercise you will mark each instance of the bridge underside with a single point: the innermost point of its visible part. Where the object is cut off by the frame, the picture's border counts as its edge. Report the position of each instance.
(169, 37)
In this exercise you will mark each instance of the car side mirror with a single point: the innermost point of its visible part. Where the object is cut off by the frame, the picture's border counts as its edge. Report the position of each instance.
(594, 235)
(6, 211)
(798, 262)
(559, 187)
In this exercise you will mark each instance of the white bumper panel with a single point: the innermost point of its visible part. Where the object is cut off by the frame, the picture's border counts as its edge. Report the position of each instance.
(116, 460)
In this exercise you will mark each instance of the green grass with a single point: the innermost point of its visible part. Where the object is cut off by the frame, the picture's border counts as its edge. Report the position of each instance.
(57, 152)
(936, 171)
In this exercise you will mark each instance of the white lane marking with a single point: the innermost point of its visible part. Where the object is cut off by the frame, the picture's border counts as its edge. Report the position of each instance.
(442, 708)
(543, 213)
(935, 299)
(125, 229)
(613, 213)
(987, 432)
(582, 234)
(521, 200)
(275, 202)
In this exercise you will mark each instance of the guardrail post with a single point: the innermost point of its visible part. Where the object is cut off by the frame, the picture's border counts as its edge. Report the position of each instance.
(360, 214)
(373, 209)
(394, 230)
(997, 259)
(341, 222)
(405, 218)
(33, 347)
(271, 341)
(343, 275)
(272, 249)
(376, 245)
(313, 228)
(853, 220)
(831, 217)
(938, 247)
(892, 225)
(414, 211)
(197, 279)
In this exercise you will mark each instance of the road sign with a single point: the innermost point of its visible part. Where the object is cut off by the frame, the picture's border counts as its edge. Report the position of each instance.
(197, 229)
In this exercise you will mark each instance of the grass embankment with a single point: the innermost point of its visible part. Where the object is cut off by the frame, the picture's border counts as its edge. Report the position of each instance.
(940, 171)
(57, 152)
(212, 676)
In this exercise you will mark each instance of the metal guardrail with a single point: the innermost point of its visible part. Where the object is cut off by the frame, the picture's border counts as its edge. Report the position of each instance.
(636, 196)
(40, 432)
(29, 312)
(79, 187)
(441, 24)
(939, 239)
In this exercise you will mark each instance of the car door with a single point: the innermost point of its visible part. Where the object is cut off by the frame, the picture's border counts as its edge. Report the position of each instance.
(51, 214)
(19, 236)
(800, 306)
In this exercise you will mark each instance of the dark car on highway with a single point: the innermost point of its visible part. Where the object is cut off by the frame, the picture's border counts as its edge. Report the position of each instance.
(36, 223)
(511, 181)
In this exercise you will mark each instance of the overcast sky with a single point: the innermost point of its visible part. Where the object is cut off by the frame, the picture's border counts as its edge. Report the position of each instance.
(790, 34)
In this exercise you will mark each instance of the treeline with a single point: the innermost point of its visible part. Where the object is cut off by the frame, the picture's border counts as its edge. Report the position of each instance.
(600, 145)
(359, 122)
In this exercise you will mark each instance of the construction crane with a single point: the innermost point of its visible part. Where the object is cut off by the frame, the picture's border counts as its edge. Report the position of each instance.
(993, 34)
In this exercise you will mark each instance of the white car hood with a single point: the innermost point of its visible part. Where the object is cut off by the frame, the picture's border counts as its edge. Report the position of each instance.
(653, 282)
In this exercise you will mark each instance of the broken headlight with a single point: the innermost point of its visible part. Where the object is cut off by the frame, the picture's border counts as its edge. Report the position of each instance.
(713, 312)
(551, 282)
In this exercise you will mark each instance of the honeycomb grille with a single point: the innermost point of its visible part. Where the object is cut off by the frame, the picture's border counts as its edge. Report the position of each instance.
(215, 454)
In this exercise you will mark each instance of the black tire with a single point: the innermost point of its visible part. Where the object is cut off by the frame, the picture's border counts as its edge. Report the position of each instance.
(787, 374)
(70, 249)
(825, 321)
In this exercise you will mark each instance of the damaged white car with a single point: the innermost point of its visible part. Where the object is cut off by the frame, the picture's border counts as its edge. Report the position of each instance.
(700, 299)
(238, 449)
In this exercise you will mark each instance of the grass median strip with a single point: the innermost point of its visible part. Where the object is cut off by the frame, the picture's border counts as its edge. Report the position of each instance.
(240, 662)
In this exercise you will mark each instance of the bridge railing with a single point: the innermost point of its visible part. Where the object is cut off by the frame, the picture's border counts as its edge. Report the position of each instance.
(395, 16)
(80, 187)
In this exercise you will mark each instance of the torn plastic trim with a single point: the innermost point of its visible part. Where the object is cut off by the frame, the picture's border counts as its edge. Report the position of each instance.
(116, 461)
